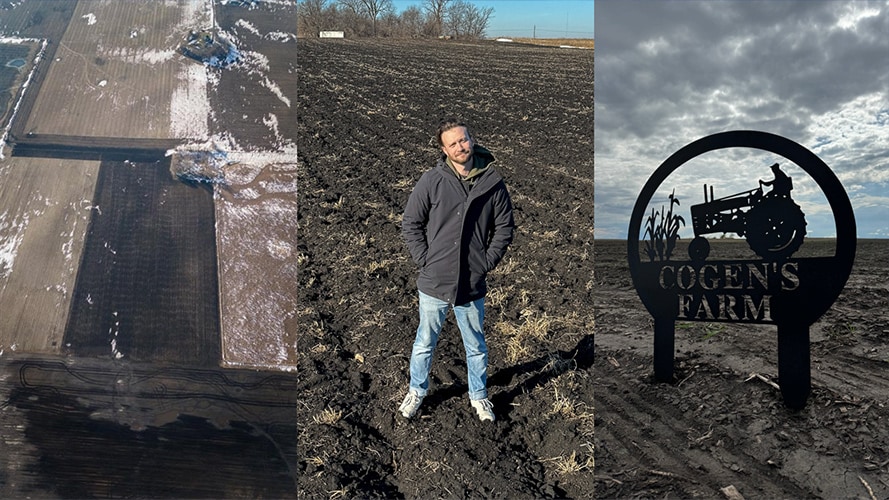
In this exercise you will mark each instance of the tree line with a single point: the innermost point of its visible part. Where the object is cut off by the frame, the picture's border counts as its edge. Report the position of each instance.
(377, 18)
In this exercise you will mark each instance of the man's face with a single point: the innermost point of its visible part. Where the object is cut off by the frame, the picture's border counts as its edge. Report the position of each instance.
(457, 145)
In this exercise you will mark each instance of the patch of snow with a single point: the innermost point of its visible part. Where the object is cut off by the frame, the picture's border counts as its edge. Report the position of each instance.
(136, 55)
(156, 56)
(272, 124)
(255, 62)
(16, 40)
(90, 18)
(114, 332)
(103, 83)
(249, 27)
(12, 232)
(248, 194)
(276, 90)
(280, 36)
(280, 250)
(190, 105)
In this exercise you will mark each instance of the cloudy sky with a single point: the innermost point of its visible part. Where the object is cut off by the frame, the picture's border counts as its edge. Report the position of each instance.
(669, 73)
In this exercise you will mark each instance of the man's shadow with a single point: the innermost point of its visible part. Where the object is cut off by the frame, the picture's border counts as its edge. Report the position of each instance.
(544, 368)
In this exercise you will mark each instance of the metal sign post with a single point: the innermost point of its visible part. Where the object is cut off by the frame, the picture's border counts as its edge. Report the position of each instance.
(778, 288)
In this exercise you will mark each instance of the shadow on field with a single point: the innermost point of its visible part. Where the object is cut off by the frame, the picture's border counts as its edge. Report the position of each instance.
(547, 368)
(85, 428)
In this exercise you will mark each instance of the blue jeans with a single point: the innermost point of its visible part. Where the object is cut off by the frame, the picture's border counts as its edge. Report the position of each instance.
(470, 317)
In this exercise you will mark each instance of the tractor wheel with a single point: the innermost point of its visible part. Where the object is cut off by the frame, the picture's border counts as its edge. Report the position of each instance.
(699, 248)
(775, 228)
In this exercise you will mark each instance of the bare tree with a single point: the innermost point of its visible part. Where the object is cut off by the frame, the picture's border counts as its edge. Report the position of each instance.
(310, 16)
(465, 20)
(352, 6)
(435, 15)
(353, 17)
(477, 21)
(373, 9)
(412, 22)
(367, 10)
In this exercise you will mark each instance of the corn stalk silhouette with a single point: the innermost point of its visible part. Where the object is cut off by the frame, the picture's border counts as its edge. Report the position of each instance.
(662, 231)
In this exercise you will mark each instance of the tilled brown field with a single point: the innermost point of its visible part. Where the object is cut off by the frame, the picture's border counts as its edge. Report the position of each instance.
(150, 248)
(721, 422)
(366, 113)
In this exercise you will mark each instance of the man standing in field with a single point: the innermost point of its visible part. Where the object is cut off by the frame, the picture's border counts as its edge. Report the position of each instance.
(457, 225)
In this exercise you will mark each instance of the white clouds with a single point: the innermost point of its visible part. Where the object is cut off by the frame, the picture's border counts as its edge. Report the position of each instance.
(853, 13)
(668, 73)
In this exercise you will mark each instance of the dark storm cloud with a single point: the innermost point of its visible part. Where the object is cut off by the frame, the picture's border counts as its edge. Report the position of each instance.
(671, 72)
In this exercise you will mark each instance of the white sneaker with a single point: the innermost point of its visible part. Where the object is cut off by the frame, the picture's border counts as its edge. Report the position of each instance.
(411, 404)
(484, 408)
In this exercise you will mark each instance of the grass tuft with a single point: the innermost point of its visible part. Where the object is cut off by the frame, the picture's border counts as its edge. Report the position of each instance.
(328, 416)
(521, 339)
(566, 465)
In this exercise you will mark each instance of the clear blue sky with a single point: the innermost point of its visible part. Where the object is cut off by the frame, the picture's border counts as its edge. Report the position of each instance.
(527, 18)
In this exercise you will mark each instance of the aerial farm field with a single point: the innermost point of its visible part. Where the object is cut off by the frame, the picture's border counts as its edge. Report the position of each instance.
(115, 70)
(147, 223)
(721, 427)
(366, 113)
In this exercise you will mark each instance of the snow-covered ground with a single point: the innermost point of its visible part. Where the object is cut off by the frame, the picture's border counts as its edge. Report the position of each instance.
(255, 212)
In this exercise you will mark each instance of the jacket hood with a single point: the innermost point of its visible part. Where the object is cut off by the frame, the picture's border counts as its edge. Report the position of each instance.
(480, 170)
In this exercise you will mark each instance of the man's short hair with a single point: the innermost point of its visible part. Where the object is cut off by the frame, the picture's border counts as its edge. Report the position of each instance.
(448, 124)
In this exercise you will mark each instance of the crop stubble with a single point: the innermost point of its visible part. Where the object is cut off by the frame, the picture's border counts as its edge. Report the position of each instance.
(366, 114)
(139, 69)
(44, 211)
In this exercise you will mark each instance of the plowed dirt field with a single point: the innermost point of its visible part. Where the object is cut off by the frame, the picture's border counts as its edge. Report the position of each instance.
(366, 112)
(721, 422)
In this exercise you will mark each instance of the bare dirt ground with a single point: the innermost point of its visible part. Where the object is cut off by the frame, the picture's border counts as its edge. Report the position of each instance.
(718, 424)
(366, 112)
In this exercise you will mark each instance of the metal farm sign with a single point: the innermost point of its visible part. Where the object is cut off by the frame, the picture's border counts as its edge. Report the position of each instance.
(774, 288)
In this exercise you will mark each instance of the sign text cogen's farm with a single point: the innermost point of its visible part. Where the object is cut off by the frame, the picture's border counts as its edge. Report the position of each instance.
(731, 291)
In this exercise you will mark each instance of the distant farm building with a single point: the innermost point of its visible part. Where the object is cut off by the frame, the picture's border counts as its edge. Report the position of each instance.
(332, 34)
(210, 49)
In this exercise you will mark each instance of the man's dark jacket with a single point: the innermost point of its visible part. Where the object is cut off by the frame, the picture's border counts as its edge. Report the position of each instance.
(457, 234)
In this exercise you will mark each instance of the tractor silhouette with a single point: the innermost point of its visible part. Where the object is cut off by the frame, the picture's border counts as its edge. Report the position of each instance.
(773, 224)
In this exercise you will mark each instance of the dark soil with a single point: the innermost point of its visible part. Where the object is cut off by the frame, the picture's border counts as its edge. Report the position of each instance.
(150, 247)
(367, 111)
(719, 424)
